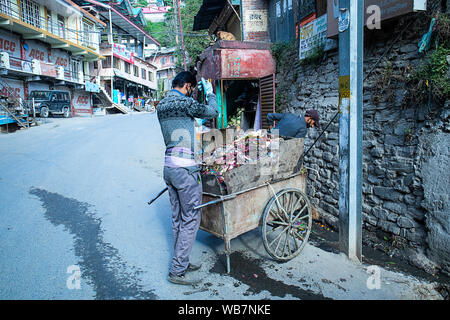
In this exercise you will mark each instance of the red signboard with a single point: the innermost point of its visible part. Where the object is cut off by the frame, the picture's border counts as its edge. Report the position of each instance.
(48, 69)
(246, 63)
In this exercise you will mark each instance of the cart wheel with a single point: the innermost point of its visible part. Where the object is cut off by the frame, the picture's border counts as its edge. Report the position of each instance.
(286, 224)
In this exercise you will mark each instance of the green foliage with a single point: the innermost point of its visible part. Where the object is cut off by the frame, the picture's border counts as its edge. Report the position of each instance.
(140, 4)
(193, 45)
(315, 57)
(159, 31)
(433, 73)
(282, 52)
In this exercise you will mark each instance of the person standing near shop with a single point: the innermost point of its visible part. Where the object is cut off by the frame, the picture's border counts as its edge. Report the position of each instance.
(176, 113)
(291, 125)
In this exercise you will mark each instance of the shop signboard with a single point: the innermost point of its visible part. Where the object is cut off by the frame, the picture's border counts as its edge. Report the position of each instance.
(81, 102)
(312, 35)
(91, 86)
(120, 51)
(255, 20)
(388, 9)
(48, 69)
(13, 89)
(10, 43)
(36, 50)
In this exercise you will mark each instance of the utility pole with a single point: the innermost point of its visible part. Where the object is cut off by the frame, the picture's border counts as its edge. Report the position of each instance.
(175, 6)
(351, 30)
(111, 39)
(181, 35)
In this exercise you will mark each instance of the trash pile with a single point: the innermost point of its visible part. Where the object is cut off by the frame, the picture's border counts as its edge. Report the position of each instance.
(247, 148)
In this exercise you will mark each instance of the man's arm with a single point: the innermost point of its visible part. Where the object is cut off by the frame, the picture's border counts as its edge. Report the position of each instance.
(271, 117)
(204, 111)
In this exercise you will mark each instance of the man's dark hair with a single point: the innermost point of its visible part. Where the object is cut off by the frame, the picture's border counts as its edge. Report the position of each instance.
(182, 78)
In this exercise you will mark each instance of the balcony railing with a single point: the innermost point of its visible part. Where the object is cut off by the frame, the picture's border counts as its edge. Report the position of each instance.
(43, 69)
(29, 12)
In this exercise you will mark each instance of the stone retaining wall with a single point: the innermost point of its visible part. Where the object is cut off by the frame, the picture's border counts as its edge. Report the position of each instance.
(406, 161)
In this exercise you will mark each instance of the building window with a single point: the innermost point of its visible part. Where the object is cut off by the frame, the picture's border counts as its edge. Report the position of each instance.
(95, 64)
(49, 21)
(144, 74)
(117, 64)
(136, 71)
(30, 13)
(107, 62)
(61, 27)
(163, 61)
(150, 76)
(76, 67)
(127, 67)
(87, 32)
(5, 7)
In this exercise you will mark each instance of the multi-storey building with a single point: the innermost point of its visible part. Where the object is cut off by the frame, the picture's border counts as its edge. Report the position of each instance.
(47, 45)
(124, 73)
(164, 60)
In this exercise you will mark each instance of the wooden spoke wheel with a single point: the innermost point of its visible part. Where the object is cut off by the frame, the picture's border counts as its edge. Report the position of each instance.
(286, 224)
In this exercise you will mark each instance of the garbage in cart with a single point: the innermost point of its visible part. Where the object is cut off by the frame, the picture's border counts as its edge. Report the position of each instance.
(233, 159)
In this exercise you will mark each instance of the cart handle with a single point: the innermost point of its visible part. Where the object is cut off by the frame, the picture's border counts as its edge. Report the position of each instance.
(221, 198)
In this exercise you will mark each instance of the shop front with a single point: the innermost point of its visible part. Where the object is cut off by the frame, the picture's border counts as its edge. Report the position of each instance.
(243, 77)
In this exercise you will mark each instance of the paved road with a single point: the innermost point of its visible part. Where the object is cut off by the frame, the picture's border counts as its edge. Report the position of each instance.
(73, 196)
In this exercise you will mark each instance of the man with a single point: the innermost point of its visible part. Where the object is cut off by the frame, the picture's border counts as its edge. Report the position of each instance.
(291, 125)
(176, 113)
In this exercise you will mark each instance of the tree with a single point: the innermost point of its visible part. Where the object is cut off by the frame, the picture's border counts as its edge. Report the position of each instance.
(160, 31)
(140, 4)
(194, 42)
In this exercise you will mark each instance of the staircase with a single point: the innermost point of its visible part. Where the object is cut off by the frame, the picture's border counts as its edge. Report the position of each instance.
(106, 100)
(22, 120)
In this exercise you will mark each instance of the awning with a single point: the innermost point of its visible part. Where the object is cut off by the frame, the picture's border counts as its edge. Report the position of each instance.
(128, 26)
(208, 11)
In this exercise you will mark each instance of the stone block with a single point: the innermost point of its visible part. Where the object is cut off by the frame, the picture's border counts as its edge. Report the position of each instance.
(379, 213)
(386, 193)
(406, 223)
(395, 207)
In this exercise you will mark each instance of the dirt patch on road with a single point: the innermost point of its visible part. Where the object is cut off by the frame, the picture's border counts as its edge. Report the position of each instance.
(100, 263)
(249, 271)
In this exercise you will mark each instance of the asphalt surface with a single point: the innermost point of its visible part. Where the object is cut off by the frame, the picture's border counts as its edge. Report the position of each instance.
(73, 196)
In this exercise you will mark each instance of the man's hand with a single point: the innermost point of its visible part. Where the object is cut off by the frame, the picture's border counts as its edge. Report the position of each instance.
(207, 86)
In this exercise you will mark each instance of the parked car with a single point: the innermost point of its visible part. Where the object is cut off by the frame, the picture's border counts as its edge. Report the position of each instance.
(48, 102)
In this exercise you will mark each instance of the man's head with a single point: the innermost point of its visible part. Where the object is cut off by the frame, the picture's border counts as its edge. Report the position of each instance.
(184, 82)
(312, 118)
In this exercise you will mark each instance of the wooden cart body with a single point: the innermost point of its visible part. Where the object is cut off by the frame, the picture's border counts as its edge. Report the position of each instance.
(228, 213)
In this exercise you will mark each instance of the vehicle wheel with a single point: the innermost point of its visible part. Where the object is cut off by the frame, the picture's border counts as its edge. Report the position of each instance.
(286, 224)
(66, 112)
(44, 112)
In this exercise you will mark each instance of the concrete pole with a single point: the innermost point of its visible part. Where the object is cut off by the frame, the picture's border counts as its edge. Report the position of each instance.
(112, 55)
(351, 29)
(181, 35)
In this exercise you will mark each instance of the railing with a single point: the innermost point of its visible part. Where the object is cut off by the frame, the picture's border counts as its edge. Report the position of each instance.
(29, 12)
(51, 69)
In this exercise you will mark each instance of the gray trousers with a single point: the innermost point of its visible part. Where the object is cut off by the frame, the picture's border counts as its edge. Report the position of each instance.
(185, 191)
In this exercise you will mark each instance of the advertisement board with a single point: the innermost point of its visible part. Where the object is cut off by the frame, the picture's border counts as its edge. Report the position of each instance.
(13, 89)
(121, 52)
(81, 101)
(388, 9)
(312, 35)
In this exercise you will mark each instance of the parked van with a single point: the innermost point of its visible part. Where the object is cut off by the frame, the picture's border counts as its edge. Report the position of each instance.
(48, 102)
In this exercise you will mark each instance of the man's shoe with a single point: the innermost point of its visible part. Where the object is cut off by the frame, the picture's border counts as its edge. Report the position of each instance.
(193, 267)
(183, 279)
